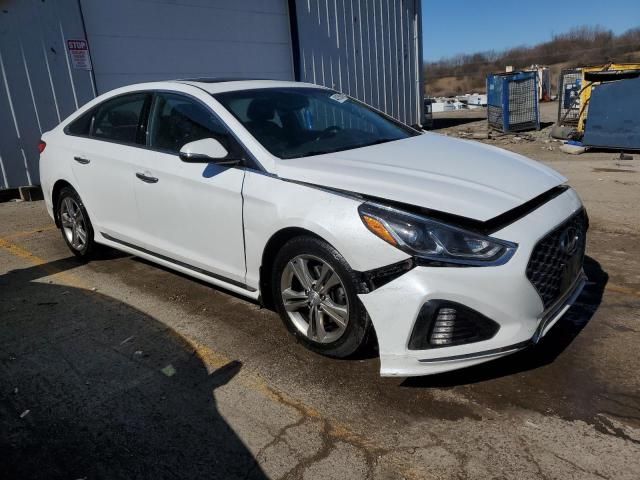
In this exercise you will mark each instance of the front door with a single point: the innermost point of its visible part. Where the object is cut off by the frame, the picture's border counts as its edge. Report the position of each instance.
(190, 212)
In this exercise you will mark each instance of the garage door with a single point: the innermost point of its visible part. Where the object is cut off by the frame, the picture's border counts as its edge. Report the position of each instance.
(144, 40)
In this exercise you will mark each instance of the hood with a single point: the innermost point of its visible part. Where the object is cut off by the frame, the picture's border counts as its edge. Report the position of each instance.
(460, 177)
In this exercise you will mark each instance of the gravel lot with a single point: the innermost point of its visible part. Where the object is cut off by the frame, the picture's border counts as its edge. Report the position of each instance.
(121, 369)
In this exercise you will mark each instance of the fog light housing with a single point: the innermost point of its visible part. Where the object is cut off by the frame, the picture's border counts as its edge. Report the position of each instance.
(443, 323)
(443, 327)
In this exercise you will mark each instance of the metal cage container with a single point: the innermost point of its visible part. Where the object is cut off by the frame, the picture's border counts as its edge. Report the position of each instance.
(512, 101)
(569, 87)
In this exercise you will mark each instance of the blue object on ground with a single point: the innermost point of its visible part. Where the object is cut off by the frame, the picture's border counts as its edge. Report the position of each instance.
(614, 116)
(512, 101)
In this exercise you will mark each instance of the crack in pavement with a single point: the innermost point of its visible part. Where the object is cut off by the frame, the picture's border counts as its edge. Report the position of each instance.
(531, 457)
(606, 426)
(578, 467)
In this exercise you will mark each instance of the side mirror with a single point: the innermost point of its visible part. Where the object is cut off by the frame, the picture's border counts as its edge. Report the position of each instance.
(207, 150)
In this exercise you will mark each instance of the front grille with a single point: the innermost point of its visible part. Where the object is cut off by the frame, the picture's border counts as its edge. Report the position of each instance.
(556, 260)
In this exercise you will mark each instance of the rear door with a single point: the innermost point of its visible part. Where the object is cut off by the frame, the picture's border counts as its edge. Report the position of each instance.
(190, 213)
(106, 153)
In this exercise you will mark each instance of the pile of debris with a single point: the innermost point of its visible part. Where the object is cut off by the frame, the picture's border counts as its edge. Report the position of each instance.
(500, 138)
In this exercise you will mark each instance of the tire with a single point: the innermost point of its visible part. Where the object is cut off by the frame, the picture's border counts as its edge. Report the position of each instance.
(75, 224)
(321, 296)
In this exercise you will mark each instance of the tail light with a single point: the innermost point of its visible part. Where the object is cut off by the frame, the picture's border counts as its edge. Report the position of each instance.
(41, 146)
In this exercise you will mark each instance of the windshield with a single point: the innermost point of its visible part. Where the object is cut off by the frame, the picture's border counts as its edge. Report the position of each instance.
(300, 122)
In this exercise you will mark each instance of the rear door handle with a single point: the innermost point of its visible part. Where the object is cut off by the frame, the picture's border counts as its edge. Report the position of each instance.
(81, 160)
(146, 178)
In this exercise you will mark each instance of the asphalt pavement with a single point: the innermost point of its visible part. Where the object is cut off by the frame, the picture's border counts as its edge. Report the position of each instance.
(120, 369)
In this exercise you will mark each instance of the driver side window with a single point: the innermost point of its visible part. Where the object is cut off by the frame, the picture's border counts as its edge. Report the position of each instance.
(176, 120)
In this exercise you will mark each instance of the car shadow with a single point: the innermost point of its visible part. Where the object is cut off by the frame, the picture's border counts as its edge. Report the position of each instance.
(544, 353)
(93, 388)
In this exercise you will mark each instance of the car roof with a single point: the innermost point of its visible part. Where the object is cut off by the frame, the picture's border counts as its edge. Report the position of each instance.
(209, 85)
(219, 85)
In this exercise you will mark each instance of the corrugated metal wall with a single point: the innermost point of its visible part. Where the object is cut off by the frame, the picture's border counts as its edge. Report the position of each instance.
(369, 49)
(38, 85)
(146, 40)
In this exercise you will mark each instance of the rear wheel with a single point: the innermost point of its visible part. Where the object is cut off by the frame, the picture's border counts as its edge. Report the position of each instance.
(75, 225)
(316, 295)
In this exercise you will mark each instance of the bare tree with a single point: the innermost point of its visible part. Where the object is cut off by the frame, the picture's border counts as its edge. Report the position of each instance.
(582, 45)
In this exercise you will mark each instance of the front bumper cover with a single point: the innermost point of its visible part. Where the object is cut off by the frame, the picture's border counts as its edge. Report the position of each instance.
(501, 293)
(549, 320)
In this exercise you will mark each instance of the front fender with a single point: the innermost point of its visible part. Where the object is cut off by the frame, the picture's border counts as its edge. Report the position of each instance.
(271, 205)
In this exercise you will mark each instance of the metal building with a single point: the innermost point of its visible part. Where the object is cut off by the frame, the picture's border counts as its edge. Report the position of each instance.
(55, 55)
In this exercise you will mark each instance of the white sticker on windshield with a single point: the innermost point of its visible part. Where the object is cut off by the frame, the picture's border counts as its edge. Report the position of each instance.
(339, 97)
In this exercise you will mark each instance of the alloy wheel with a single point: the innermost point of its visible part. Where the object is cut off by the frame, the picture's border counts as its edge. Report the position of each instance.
(73, 223)
(314, 298)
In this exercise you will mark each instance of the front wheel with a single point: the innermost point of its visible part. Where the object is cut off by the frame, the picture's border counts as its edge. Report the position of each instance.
(315, 291)
(75, 225)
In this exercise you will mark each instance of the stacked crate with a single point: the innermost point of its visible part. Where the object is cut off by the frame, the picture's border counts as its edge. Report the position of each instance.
(512, 101)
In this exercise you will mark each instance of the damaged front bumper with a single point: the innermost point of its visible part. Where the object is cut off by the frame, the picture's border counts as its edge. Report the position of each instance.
(502, 294)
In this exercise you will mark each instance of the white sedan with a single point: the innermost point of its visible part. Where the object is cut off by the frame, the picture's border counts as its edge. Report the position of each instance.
(357, 229)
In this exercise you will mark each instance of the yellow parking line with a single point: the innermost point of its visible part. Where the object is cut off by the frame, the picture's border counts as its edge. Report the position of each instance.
(36, 261)
(212, 360)
(18, 251)
(27, 233)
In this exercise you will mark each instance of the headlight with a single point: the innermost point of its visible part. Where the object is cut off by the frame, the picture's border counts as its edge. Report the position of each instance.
(432, 240)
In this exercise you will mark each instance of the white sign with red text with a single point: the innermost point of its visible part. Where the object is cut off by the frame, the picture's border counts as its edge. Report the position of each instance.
(79, 52)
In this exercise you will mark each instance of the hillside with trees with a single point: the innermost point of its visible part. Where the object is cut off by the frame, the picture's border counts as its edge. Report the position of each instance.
(580, 46)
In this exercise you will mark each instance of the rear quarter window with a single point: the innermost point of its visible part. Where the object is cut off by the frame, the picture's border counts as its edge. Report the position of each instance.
(82, 125)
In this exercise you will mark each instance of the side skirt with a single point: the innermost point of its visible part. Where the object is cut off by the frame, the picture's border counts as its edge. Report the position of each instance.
(179, 263)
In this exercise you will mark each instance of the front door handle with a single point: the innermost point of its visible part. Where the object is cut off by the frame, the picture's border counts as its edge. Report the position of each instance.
(81, 160)
(146, 178)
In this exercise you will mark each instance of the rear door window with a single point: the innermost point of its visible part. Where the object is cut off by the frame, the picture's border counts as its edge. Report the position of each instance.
(118, 119)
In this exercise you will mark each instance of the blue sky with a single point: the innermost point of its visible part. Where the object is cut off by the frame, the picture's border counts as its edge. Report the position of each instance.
(466, 26)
